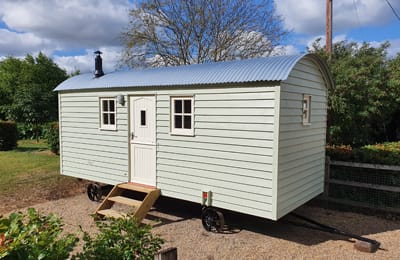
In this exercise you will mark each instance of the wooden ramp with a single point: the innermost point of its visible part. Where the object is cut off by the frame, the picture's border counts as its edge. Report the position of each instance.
(124, 193)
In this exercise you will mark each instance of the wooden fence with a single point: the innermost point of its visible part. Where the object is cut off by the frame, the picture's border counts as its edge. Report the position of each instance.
(377, 188)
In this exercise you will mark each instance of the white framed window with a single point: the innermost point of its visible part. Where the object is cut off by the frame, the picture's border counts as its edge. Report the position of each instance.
(108, 114)
(306, 110)
(182, 116)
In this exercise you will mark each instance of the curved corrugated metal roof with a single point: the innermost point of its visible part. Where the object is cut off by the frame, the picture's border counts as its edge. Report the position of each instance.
(275, 68)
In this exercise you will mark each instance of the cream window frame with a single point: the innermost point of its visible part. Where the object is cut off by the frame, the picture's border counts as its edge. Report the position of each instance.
(108, 125)
(182, 114)
(306, 108)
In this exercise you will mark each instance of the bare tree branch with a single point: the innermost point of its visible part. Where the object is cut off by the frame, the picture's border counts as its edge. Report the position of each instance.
(177, 32)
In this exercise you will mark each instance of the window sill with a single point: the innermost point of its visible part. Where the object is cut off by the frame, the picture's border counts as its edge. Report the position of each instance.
(182, 133)
(108, 128)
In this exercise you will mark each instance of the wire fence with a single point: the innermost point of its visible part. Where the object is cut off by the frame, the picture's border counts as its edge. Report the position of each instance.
(364, 185)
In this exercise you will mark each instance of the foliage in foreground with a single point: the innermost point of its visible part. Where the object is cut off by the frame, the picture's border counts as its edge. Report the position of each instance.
(8, 135)
(122, 238)
(33, 236)
(385, 153)
(36, 236)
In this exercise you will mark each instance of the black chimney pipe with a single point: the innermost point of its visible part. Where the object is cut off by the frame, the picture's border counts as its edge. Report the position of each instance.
(98, 65)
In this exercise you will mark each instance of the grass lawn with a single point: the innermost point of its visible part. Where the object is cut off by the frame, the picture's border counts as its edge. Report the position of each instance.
(31, 174)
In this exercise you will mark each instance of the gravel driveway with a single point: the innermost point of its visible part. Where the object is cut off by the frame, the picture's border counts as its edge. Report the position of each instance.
(249, 237)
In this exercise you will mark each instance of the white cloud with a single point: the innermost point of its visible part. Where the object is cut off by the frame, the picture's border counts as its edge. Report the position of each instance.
(85, 63)
(394, 48)
(18, 44)
(285, 50)
(59, 24)
(308, 17)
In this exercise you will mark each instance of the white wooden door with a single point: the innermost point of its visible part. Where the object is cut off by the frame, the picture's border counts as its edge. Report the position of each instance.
(143, 139)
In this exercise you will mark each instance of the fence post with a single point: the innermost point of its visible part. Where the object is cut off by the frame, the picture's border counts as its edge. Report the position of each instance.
(170, 253)
(327, 176)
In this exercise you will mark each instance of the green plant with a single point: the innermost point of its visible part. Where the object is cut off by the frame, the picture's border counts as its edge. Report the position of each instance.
(53, 137)
(121, 238)
(385, 153)
(34, 236)
(8, 135)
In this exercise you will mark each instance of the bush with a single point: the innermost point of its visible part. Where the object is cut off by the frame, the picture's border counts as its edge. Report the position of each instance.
(29, 131)
(52, 135)
(8, 135)
(33, 236)
(122, 238)
(386, 153)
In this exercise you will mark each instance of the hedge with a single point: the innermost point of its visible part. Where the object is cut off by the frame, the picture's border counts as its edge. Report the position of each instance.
(8, 135)
(385, 153)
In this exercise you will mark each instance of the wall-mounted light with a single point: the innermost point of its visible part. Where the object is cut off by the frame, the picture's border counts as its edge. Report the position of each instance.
(121, 99)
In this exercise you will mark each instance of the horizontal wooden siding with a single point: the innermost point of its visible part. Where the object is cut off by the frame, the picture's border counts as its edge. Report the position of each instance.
(230, 153)
(301, 148)
(88, 152)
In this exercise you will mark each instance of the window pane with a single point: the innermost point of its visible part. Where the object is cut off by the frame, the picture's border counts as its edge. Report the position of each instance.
(178, 122)
(178, 106)
(187, 122)
(105, 105)
(112, 105)
(187, 106)
(143, 117)
(105, 118)
(112, 119)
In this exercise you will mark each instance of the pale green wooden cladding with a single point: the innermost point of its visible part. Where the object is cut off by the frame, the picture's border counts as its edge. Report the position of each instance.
(249, 147)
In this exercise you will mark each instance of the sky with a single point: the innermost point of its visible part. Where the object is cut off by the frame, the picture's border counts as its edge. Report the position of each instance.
(70, 31)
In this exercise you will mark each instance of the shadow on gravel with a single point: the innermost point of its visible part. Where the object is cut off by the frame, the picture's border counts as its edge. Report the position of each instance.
(356, 223)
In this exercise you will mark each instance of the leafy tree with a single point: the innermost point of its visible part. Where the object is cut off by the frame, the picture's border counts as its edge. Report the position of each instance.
(362, 103)
(10, 69)
(177, 32)
(28, 87)
(394, 91)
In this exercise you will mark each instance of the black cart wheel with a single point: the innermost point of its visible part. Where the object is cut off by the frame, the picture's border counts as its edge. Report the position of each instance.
(94, 192)
(212, 219)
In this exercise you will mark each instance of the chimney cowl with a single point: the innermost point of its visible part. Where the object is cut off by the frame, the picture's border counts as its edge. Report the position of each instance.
(98, 65)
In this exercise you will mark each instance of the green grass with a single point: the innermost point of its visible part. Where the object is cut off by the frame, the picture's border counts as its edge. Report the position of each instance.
(27, 165)
(30, 174)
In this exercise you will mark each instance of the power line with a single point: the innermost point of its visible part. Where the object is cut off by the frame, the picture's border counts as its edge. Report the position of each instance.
(394, 11)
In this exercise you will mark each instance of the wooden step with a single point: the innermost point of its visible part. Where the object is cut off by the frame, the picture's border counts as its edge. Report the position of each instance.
(126, 201)
(111, 213)
(139, 188)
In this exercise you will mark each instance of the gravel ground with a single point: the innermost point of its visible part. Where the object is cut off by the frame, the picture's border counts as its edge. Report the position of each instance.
(248, 237)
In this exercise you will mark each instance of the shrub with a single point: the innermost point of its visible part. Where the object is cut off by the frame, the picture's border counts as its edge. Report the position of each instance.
(52, 135)
(340, 152)
(8, 135)
(29, 131)
(33, 236)
(386, 153)
(121, 238)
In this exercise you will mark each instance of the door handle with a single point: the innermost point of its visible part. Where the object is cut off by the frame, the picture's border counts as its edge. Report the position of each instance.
(132, 135)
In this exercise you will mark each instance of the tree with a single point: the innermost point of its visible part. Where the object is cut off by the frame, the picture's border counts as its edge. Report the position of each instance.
(394, 91)
(28, 85)
(9, 78)
(178, 32)
(362, 103)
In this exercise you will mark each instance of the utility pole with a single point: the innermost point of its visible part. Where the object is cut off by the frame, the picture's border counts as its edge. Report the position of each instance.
(328, 30)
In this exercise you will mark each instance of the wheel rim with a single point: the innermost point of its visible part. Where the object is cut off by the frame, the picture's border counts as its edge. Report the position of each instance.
(212, 220)
(94, 192)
